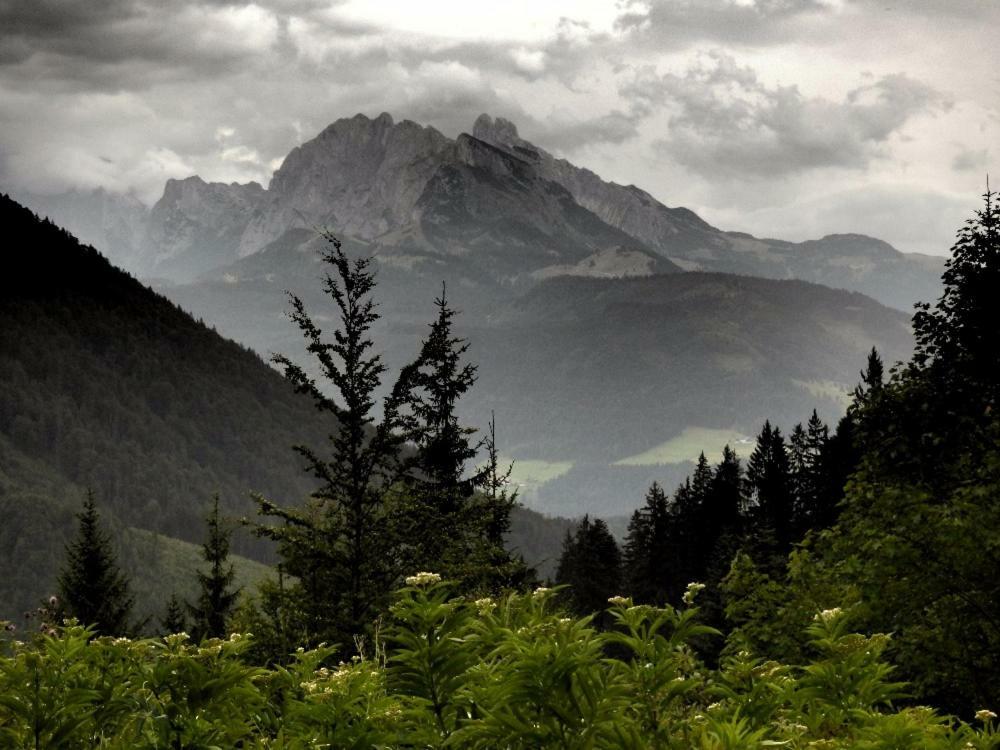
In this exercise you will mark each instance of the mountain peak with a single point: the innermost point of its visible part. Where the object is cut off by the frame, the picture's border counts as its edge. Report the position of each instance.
(499, 131)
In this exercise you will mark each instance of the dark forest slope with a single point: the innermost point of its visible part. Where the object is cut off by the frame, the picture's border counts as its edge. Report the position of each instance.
(108, 385)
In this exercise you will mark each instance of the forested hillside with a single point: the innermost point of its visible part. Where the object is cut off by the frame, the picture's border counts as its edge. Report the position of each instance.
(107, 385)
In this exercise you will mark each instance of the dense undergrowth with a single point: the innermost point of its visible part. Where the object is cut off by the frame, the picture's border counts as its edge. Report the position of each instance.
(453, 672)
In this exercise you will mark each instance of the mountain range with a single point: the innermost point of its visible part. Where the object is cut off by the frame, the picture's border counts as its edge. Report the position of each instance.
(419, 195)
(616, 337)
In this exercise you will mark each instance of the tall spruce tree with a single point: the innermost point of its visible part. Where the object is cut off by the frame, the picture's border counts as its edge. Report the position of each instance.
(808, 474)
(339, 546)
(768, 483)
(174, 620)
(442, 525)
(590, 565)
(495, 567)
(92, 588)
(216, 596)
(649, 557)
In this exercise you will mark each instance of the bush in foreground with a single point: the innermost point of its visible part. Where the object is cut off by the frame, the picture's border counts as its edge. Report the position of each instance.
(450, 672)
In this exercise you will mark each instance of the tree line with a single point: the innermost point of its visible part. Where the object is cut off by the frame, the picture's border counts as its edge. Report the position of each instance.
(894, 516)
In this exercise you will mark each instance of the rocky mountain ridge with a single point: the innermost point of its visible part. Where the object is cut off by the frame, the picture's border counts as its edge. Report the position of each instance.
(520, 212)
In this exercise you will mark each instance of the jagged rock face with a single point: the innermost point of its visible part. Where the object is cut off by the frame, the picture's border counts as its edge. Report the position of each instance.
(494, 206)
(847, 261)
(509, 210)
(359, 177)
(198, 225)
(634, 211)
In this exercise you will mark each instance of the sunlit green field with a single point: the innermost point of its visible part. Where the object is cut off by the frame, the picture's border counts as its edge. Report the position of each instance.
(530, 474)
(687, 446)
(173, 564)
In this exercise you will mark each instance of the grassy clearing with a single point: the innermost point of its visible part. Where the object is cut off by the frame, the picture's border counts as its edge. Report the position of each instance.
(686, 447)
(164, 565)
(530, 474)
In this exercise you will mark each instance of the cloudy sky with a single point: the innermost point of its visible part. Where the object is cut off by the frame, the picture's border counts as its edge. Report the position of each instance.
(785, 118)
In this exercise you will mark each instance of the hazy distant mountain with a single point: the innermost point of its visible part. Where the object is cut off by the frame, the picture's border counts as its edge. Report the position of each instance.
(585, 373)
(198, 225)
(845, 261)
(489, 197)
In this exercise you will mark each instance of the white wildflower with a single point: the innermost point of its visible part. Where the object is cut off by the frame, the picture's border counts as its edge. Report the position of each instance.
(540, 592)
(984, 714)
(691, 592)
(828, 614)
(423, 579)
(619, 601)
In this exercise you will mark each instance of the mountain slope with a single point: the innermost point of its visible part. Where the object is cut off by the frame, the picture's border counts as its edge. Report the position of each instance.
(589, 372)
(854, 262)
(105, 384)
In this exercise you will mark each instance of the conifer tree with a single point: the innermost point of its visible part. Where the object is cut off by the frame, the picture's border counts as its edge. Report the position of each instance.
(495, 567)
(217, 597)
(339, 547)
(807, 449)
(872, 379)
(649, 558)
(92, 588)
(769, 488)
(173, 620)
(442, 527)
(590, 565)
(725, 496)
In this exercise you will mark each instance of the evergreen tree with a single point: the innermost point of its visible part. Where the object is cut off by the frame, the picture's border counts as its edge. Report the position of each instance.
(216, 598)
(92, 588)
(649, 558)
(495, 567)
(591, 566)
(173, 620)
(698, 529)
(768, 485)
(339, 547)
(442, 526)
(807, 451)
(725, 496)
(872, 379)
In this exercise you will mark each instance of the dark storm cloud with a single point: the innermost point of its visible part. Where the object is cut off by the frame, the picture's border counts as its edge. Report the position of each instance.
(132, 44)
(725, 121)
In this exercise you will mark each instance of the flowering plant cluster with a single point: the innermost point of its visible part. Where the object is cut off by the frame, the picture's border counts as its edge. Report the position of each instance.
(508, 672)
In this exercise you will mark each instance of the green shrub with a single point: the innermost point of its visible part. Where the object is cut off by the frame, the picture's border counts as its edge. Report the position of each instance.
(456, 673)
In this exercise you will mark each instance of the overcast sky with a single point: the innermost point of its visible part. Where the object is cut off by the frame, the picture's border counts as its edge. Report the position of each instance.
(785, 118)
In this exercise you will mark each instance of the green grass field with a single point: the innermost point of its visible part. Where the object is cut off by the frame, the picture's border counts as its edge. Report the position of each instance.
(530, 474)
(686, 447)
(165, 565)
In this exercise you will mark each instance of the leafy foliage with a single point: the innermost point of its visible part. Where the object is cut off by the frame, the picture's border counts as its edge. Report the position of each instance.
(514, 672)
